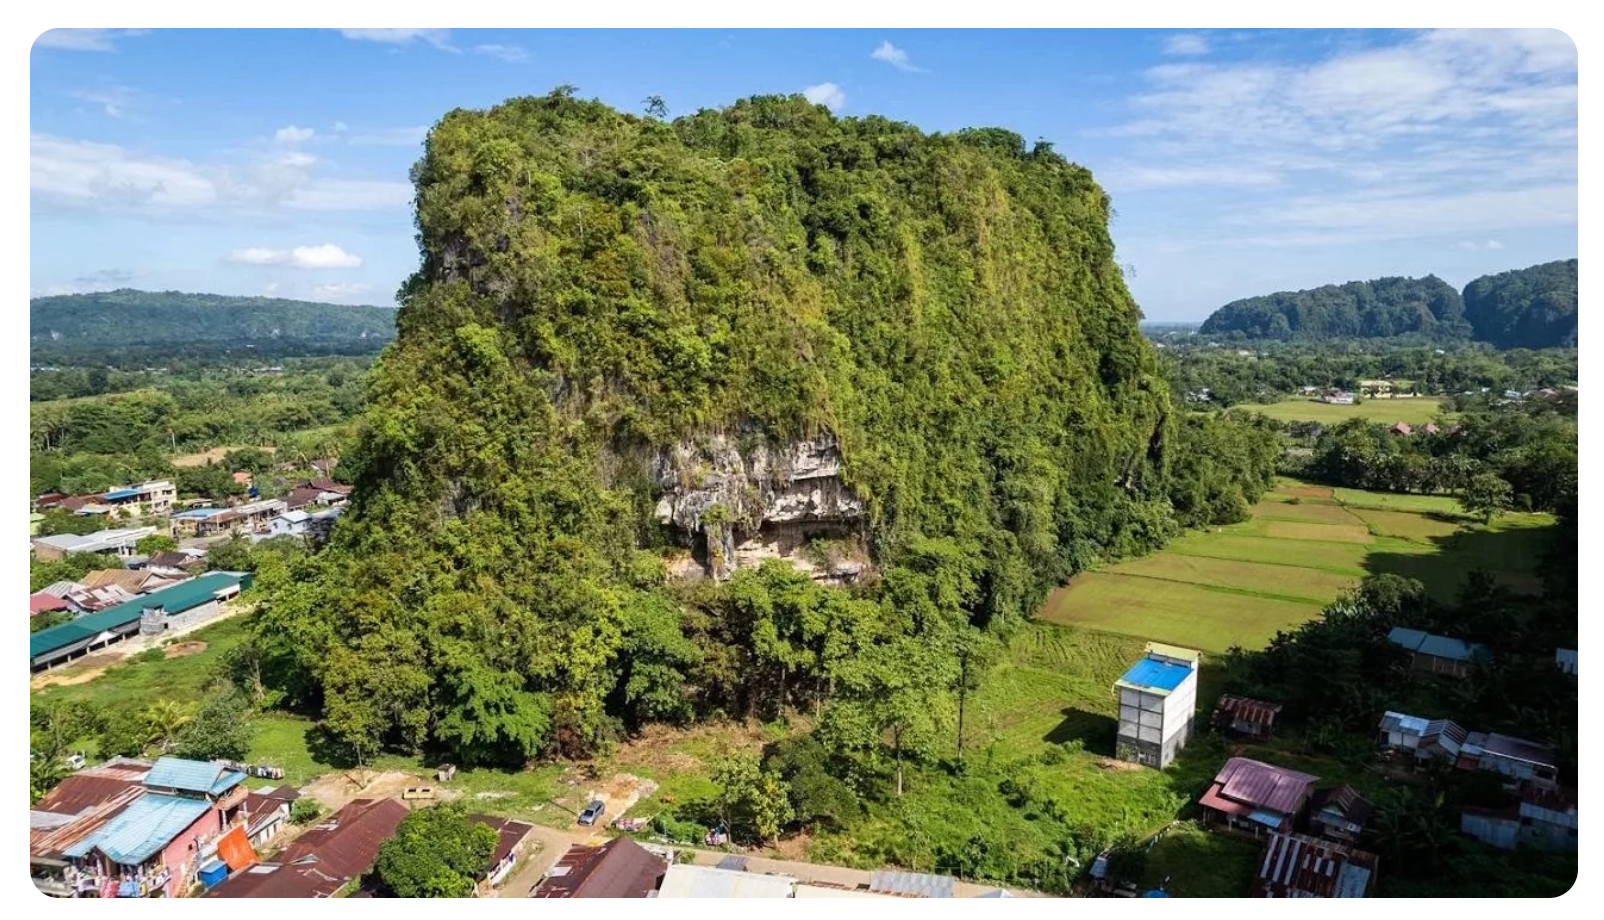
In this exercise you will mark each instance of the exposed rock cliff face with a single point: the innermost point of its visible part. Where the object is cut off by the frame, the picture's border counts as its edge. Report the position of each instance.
(734, 495)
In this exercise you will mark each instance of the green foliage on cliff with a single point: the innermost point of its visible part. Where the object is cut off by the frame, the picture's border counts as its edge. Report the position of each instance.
(596, 287)
(1359, 309)
(1530, 308)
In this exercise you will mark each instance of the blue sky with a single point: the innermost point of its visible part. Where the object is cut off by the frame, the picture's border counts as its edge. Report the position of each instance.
(275, 161)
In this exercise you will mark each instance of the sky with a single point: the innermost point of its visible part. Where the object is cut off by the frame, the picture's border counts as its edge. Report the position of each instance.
(275, 162)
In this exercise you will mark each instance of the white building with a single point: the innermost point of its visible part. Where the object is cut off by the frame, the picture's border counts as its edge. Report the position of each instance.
(118, 542)
(684, 880)
(153, 497)
(1157, 703)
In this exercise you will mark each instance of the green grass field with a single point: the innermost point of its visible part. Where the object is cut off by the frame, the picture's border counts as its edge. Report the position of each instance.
(1416, 411)
(1303, 546)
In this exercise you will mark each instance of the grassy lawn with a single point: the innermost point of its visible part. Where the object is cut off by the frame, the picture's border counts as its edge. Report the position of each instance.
(1416, 411)
(134, 684)
(1240, 584)
(1190, 862)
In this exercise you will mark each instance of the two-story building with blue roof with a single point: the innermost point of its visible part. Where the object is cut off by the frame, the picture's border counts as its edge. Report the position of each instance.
(1157, 702)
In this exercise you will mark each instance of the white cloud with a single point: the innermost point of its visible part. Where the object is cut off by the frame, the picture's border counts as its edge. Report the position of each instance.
(74, 175)
(511, 54)
(439, 38)
(325, 256)
(894, 56)
(113, 100)
(85, 39)
(1186, 43)
(270, 288)
(293, 135)
(1473, 246)
(341, 127)
(340, 290)
(1446, 134)
(826, 94)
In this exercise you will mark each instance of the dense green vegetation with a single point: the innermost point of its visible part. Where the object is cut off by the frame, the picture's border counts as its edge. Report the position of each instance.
(126, 326)
(1529, 308)
(1272, 370)
(1359, 309)
(437, 852)
(305, 411)
(596, 287)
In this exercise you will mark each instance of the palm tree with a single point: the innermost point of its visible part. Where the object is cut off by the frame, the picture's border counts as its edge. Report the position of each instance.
(163, 720)
(45, 771)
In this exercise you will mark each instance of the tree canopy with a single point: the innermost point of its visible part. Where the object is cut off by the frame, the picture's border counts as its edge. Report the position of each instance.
(1529, 308)
(1381, 308)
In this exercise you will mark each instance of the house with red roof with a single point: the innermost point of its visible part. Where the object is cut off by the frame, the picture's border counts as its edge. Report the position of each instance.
(1255, 798)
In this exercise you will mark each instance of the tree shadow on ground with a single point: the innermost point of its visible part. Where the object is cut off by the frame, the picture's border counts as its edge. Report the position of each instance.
(1510, 555)
(1093, 729)
(328, 750)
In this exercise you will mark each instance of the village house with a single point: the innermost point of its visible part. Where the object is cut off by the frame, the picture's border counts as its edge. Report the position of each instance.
(1442, 740)
(269, 811)
(180, 560)
(1543, 819)
(1565, 660)
(1254, 798)
(1339, 813)
(45, 603)
(144, 840)
(133, 581)
(177, 607)
(154, 497)
(511, 839)
(1298, 866)
(1157, 699)
(1517, 759)
(248, 518)
(1401, 428)
(619, 868)
(912, 884)
(1338, 398)
(1402, 732)
(325, 859)
(1437, 654)
(685, 880)
(1376, 389)
(118, 542)
(1244, 717)
(288, 524)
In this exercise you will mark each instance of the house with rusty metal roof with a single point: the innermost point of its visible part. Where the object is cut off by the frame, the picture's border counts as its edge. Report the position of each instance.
(1340, 813)
(1299, 866)
(619, 868)
(1245, 717)
(511, 836)
(1252, 797)
(322, 861)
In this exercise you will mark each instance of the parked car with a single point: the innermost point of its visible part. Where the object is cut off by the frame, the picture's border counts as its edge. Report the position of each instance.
(592, 812)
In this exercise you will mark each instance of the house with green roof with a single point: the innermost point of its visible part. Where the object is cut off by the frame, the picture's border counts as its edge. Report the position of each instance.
(177, 607)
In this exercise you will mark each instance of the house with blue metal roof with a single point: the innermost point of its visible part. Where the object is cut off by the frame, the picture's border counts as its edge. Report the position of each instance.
(153, 844)
(1157, 700)
(1437, 654)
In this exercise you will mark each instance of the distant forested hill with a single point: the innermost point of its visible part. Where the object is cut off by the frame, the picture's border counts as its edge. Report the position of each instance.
(1529, 308)
(169, 323)
(1382, 308)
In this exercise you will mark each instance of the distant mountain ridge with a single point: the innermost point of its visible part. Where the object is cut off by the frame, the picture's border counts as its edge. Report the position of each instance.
(1381, 308)
(152, 321)
(1532, 307)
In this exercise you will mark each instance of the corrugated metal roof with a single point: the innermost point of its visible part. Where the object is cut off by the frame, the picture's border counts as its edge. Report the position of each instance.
(1518, 749)
(619, 868)
(1244, 709)
(1187, 655)
(192, 776)
(1298, 866)
(149, 823)
(1345, 800)
(896, 881)
(174, 600)
(119, 494)
(88, 788)
(1155, 676)
(1400, 722)
(1566, 659)
(1263, 785)
(1408, 638)
(1451, 649)
(689, 881)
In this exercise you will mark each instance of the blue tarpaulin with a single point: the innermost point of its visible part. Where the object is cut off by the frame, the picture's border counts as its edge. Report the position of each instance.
(213, 872)
(128, 890)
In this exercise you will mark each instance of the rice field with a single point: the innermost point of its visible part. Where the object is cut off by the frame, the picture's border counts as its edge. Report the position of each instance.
(1416, 411)
(1302, 547)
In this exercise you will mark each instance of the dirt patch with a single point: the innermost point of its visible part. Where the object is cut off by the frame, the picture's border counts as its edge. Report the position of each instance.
(620, 792)
(81, 671)
(1119, 765)
(671, 748)
(214, 455)
(180, 649)
(335, 790)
